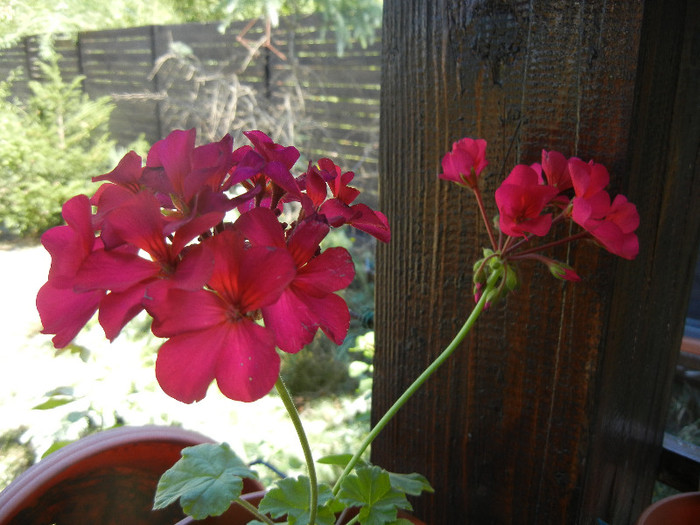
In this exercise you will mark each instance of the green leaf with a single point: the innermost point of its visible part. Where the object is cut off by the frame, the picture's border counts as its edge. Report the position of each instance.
(53, 402)
(206, 480)
(412, 484)
(291, 497)
(370, 489)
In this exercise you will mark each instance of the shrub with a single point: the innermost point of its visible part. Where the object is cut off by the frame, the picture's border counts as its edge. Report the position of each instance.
(50, 147)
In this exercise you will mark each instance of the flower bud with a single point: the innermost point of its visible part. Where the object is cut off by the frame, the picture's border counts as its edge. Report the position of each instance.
(562, 271)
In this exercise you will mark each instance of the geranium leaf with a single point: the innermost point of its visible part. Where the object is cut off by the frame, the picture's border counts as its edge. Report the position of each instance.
(291, 497)
(370, 489)
(206, 480)
(412, 484)
(53, 402)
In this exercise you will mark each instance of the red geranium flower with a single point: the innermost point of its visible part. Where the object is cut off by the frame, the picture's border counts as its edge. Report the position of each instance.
(520, 200)
(614, 224)
(339, 210)
(465, 162)
(63, 311)
(309, 302)
(556, 170)
(214, 334)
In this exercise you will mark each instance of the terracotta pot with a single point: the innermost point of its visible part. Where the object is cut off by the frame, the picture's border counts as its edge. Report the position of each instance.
(103, 479)
(681, 509)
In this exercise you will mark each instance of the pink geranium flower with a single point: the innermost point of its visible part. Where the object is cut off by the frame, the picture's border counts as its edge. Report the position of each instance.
(309, 302)
(265, 169)
(159, 240)
(139, 224)
(338, 209)
(465, 162)
(521, 200)
(616, 230)
(213, 334)
(64, 311)
(612, 224)
(556, 170)
(589, 181)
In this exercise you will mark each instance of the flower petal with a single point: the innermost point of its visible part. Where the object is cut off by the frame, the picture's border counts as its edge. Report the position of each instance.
(291, 321)
(64, 312)
(328, 272)
(304, 241)
(248, 364)
(113, 270)
(177, 311)
(118, 308)
(186, 364)
(261, 227)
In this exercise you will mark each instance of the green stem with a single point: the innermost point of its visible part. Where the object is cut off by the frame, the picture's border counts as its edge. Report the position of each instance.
(415, 386)
(308, 457)
(254, 510)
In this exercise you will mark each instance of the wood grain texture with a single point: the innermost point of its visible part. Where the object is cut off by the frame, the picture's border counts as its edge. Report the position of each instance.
(552, 411)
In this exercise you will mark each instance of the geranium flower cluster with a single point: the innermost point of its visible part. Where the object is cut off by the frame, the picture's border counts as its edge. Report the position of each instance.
(198, 238)
(530, 201)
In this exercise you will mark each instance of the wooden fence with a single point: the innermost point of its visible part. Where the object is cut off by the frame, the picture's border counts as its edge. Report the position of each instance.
(179, 76)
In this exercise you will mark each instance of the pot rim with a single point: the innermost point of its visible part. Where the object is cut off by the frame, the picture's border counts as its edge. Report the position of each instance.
(654, 507)
(40, 475)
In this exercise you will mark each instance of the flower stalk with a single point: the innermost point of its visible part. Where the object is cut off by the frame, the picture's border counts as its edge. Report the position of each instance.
(416, 385)
(291, 408)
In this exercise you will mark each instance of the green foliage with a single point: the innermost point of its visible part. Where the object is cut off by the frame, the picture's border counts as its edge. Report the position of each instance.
(376, 493)
(370, 489)
(413, 484)
(352, 20)
(684, 411)
(206, 480)
(46, 17)
(50, 148)
(87, 417)
(319, 369)
(291, 498)
(15, 455)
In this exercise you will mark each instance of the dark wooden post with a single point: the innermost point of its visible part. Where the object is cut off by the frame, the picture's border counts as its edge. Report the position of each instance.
(553, 410)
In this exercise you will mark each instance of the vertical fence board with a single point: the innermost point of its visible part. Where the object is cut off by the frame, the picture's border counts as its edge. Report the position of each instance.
(550, 411)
